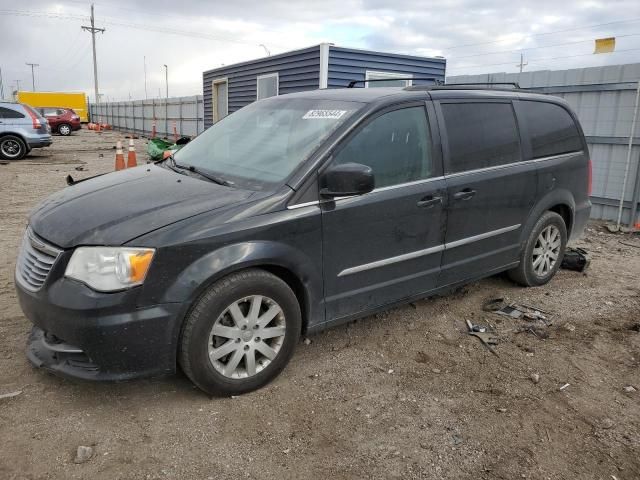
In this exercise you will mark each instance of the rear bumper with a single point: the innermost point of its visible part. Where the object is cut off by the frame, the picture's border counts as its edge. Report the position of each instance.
(81, 334)
(581, 217)
(38, 142)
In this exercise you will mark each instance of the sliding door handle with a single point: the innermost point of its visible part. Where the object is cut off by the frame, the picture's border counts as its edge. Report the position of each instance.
(429, 201)
(465, 194)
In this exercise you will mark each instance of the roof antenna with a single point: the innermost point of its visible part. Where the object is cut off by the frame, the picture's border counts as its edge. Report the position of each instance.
(265, 49)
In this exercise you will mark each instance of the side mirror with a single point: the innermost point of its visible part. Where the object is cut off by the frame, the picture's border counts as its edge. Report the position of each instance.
(347, 179)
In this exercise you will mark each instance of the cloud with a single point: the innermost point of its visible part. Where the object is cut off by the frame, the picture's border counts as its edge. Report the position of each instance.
(191, 36)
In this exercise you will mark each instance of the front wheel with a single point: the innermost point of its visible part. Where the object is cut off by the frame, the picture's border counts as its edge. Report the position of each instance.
(64, 130)
(241, 333)
(543, 252)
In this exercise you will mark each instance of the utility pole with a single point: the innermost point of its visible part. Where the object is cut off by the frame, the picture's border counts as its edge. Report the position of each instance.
(93, 31)
(33, 77)
(522, 63)
(166, 100)
(146, 97)
(1, 86)
(17, 85)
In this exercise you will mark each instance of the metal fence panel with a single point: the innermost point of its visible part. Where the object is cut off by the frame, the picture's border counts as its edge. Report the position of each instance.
(603, 98)
(138, 116)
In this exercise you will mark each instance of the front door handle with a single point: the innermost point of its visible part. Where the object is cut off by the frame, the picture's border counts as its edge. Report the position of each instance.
(429, 201)
(465, 194)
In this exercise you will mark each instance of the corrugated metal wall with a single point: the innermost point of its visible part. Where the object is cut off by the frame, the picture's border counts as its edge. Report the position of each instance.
(297, 71)
(137, 116)
(346, 64)
(603, 98)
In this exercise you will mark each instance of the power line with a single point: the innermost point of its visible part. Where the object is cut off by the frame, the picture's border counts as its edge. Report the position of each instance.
(138, 26)
(631, 20)
(535, 48)
(542, 59)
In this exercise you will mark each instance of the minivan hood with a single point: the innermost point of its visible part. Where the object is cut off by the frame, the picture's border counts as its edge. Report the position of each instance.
(115, 208)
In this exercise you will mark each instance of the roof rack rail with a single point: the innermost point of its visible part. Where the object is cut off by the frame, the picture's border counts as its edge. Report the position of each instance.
(479, 84)
(437, 81)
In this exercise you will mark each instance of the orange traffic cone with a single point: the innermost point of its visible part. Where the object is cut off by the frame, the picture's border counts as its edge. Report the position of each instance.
(119, 156)
(131, 157)
(153, 129)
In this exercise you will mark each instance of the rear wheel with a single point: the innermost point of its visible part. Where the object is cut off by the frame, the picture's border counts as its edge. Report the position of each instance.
(543, 252)
(241, 333)
(64, 129)
(12, 148)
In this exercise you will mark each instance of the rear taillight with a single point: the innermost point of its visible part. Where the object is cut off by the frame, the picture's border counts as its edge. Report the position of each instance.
(34, 119)
(590, 178)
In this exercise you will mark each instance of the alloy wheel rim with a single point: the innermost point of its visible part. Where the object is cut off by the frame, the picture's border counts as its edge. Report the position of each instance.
(246, 337)
(546, 250)
(64, 130)
(10, 148)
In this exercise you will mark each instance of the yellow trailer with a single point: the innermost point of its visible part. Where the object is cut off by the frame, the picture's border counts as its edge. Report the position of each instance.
(75, 100)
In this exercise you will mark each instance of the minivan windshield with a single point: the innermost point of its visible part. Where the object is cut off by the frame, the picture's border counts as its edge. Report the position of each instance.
(260, 145)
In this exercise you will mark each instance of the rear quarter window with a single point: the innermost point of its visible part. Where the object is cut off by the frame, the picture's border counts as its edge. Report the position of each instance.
(552, 130)
(9, 113)
(480, 135)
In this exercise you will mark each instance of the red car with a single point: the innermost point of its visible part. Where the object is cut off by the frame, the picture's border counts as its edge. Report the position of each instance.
(62, 120)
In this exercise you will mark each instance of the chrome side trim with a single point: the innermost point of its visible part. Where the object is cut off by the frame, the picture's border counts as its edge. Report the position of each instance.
(391, 260)
(515, 164)
(302, 205)
(482, 236)
(407, 184)
(375, 190)
(427, 251)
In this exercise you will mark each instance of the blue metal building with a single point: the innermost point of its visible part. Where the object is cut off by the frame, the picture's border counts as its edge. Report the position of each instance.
(231, 87)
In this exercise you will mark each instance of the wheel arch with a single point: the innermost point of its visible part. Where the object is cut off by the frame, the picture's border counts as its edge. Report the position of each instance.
(558, 201)
(283, 261)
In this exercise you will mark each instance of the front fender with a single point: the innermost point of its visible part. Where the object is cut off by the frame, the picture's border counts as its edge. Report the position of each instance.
(196, 277)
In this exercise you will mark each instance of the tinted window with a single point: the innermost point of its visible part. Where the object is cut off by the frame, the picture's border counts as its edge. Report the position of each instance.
(9, 113)
(50, 112)
(480, 135)
(395, 145)
(551, 128)
(60, 112)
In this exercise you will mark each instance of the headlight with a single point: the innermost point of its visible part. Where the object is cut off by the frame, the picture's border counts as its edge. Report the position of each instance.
(108, 269)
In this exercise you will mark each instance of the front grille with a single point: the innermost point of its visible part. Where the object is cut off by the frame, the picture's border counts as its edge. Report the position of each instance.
(35, 260)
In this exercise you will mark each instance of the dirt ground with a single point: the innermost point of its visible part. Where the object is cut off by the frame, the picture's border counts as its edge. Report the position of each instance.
(404, 394)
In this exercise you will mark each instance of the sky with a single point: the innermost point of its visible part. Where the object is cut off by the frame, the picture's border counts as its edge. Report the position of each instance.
(191, 36)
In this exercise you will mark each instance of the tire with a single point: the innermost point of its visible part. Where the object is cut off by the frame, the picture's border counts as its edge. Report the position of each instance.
(218, 360)
(12, 148)
(64, 129)
(538, 267)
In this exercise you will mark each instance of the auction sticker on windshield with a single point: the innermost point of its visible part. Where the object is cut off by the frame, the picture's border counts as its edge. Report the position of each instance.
(324, 114)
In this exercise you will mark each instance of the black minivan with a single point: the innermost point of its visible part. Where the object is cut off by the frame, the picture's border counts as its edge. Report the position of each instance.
(295, 213)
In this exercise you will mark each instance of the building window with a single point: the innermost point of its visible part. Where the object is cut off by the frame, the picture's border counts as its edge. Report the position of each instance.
(389, 76)
(267, 85)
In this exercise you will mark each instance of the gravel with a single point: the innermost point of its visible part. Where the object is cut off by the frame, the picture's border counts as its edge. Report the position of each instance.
(450, 410)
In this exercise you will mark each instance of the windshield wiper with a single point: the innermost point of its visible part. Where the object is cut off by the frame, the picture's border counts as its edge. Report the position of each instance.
(209, 176)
